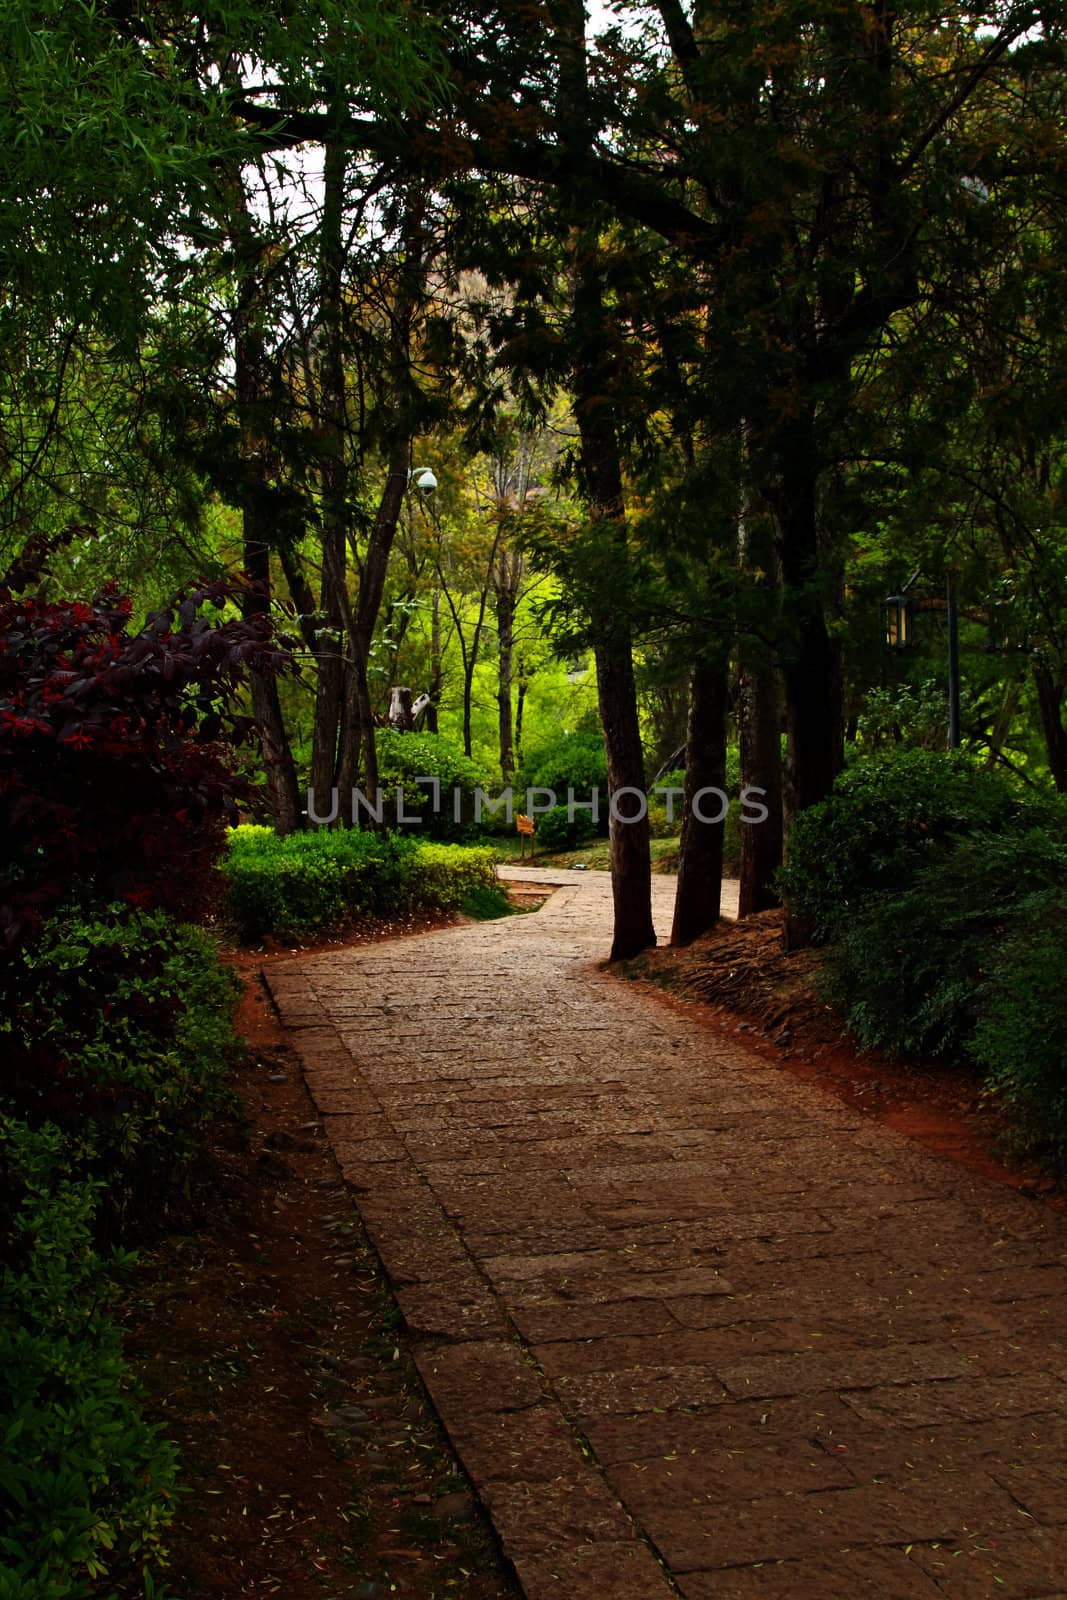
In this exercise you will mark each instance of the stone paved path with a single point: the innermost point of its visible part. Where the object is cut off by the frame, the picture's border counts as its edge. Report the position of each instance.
(693, 1326)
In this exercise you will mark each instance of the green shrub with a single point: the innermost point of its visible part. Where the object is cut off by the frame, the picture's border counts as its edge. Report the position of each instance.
(486, 903)
(556, 831)
(1021, 1038)
(574, 760)
(885, 820)
(310, 883)
(86, 1485)
(913, 972)
(403, 757)
(442, 875)
(130, 1053)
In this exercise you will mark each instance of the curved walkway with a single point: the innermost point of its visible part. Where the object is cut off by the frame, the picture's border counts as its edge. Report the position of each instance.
(693, 1326)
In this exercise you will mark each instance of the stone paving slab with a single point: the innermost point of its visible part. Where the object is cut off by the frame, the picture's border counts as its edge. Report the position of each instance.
(694, 1327)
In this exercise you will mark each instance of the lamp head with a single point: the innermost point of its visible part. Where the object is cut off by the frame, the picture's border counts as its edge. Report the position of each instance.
(424, 479)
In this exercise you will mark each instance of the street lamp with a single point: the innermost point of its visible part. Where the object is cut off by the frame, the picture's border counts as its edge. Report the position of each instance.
(899, 617)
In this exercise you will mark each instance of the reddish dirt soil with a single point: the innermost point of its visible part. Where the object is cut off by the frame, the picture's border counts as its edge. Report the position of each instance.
(273, 1355)
(743, 983)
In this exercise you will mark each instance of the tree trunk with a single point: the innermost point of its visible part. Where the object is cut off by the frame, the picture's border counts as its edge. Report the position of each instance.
(1050, 692)
(249, 378)
(301, 594)
(698, 899)
(810, 660)
(505, 622)
(759, 718)
(595, 379)
(631, 860)
(401, 713)
(333, 476)
(357, 726)
(759, 722)
(520, 708)
(357, 717)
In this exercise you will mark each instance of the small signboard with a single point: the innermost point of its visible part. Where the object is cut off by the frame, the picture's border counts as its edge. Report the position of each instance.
(525, 828)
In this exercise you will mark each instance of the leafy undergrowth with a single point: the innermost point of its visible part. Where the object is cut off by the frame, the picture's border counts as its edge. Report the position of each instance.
(485, 903)
(272, 1352)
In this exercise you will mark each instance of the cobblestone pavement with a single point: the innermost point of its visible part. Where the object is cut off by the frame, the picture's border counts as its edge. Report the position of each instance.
(693, 1326)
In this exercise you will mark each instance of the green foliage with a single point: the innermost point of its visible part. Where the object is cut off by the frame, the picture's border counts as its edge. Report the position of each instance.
(574, 761)
(910, 970)
(403, 757)
(884, 821)
(443, 875)
(86, 1485)
(310, 883)
(557, 831)
(914, 715)
(130, 1054)
(486, 904)
(1019, 1040)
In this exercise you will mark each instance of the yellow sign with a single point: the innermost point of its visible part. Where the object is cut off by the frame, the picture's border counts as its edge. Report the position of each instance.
(524, 824)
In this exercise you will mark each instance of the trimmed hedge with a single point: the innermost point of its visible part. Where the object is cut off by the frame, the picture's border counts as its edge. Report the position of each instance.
(87, 1487)
(309, 883)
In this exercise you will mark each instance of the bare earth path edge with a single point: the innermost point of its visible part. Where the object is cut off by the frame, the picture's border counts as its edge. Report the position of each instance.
(624, 1276)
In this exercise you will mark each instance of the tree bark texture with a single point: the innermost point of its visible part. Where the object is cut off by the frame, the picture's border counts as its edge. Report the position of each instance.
(759, 717)
(333, 475)
(249, 375)
(1050, 693)
(698, 898)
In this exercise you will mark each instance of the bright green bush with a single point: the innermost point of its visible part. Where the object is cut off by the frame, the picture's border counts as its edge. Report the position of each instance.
(574, 760)
(402, 757)
(309, 883)
(556, 831)
(129, 1054)
(1021, 1037)
(885, 821)
(442, 875)
(86, 1485)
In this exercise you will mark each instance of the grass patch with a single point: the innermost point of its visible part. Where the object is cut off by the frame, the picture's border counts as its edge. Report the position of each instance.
(596, 855)
(485, 902)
